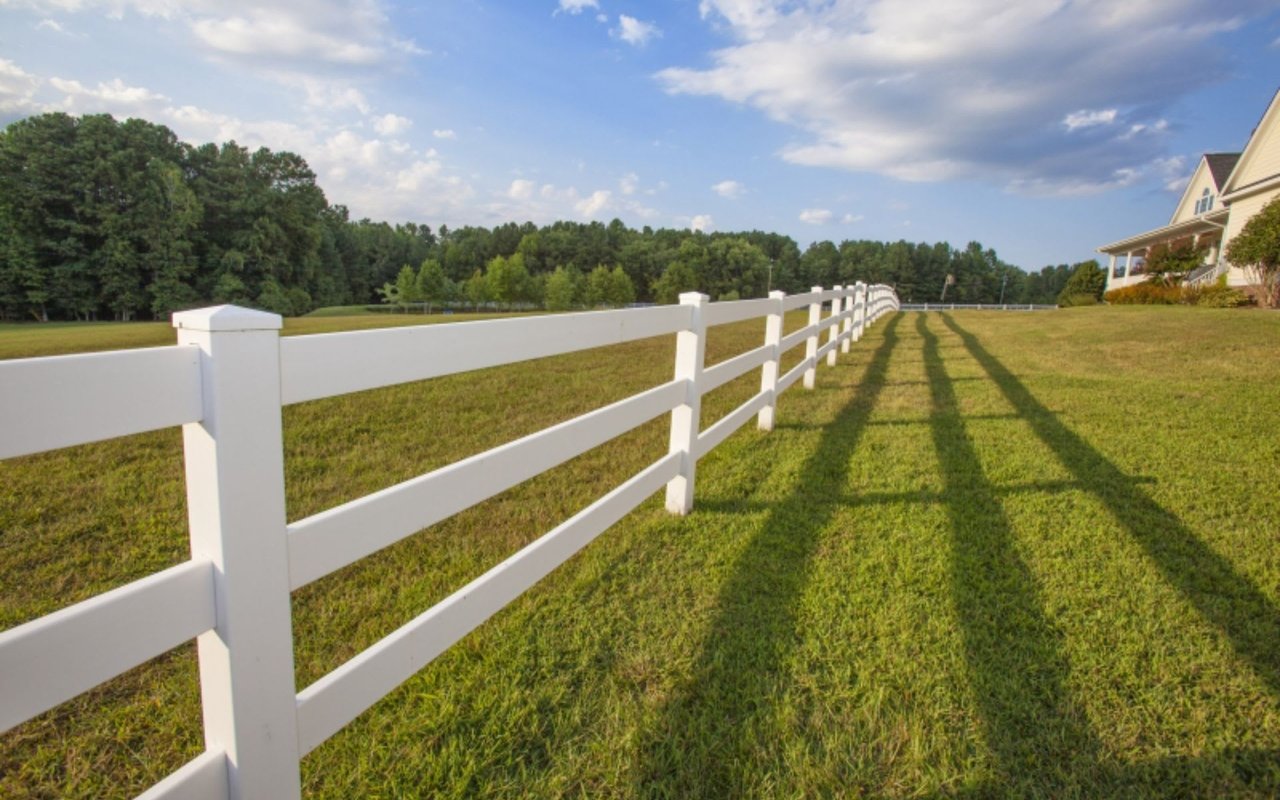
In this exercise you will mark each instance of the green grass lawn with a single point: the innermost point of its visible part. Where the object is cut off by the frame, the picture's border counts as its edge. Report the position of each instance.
(991, 555)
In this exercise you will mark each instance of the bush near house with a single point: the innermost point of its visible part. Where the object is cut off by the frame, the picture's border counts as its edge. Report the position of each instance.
(1258, 249)
(1085, 286)
(1148, 293)
(1166, 264)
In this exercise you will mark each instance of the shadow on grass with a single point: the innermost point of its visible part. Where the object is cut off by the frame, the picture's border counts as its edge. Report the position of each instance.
(1223, 596)
(1039, 737)
(713, 730)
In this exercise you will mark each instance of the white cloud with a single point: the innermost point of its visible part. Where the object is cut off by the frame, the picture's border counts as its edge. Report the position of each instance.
(50, 25)
(17, 91)
(598, 201)
(114, 95)
(815, 216)
(1020, 94)
(849, 219)
(444, 133)
(277, 34)
(634, 31)
(520, 189)
(1087, 119)
(702, 222)
(576, 6)
(283, 35)
(391, 124)
(629, 183)
(729, 189)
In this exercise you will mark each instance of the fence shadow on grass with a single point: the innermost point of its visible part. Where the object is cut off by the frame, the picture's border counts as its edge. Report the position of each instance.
(702, 742)
(1038, 735)
(1223, 596)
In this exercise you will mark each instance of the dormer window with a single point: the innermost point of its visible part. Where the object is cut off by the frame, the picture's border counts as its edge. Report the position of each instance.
(1205, 204)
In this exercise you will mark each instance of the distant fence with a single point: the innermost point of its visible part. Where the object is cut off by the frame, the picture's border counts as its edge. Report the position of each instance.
(226, 382)
(976, 306)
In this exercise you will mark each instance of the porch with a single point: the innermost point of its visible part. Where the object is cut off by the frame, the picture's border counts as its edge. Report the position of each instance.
(1127, 256)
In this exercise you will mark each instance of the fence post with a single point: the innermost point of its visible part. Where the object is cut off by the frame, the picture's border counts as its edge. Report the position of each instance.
(811, 344)
(834, 330)
(769, 372)
(235, 503)
(691, 351)
(864, 298)
(846, 328)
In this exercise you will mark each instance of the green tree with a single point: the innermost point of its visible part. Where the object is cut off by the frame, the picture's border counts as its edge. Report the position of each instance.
(563, 288)
(274, 298)
(677, 278)
(1257, 249)
(1167, 263)
(433, 284)
(621, 291)
(508, 280)
(476, 289)
(1085, 286)
(407, 287)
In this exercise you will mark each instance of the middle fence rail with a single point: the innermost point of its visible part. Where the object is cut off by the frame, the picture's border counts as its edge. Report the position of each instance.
(226, 383)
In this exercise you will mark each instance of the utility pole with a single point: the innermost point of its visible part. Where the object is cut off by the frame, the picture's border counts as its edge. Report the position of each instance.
(951, 279)
(1003, 280)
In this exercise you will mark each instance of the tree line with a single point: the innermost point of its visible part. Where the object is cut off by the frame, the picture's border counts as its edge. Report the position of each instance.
(108, 219)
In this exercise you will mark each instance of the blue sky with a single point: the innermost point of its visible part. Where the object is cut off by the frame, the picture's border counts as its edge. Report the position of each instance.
(1042, 128)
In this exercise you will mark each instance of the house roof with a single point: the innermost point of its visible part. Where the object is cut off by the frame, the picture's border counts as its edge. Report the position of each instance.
(1269, 117)
(1220, 166)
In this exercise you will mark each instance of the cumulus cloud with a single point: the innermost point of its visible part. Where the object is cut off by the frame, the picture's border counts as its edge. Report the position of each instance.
(816, 216)
(391, 124)
(702, 222)
(17, 91)
(575, 6)
(278, 34)
(635, 32)
(444, 133)
(520, 189)
(849, 219)
(595, 203)
(729, 189)
(629, 183)
(1031, 96)
(1087, 119)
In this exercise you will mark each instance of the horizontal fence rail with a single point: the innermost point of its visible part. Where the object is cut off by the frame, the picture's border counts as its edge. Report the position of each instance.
(977, 307)
(226, 383)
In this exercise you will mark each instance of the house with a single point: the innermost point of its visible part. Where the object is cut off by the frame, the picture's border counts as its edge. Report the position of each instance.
(1224, 193)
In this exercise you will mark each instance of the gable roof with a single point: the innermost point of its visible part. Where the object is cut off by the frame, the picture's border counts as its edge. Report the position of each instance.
(1269, 118)
(1220, 166)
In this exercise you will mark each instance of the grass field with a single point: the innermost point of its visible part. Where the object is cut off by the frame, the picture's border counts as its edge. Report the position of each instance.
(991, 555)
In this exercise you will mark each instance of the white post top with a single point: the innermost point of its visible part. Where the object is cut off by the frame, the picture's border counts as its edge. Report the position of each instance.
(694, 299)
(777, 294)
(227, 318)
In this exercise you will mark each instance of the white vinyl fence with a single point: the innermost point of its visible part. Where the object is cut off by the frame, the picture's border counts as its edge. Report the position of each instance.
(225, 382)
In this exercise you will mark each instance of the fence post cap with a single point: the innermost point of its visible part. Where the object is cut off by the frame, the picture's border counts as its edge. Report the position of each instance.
(227, 318)
(777, 294)
(694, 299)
(816, 289)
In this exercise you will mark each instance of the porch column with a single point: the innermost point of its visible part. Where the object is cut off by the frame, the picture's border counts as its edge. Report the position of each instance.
(1111, 271)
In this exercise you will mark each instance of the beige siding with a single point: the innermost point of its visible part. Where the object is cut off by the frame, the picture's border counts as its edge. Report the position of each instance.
(1200, 181)
(1264, 161)
(1244, 210)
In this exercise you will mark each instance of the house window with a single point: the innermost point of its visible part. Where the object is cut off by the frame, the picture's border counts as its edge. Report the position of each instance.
(1205, 204)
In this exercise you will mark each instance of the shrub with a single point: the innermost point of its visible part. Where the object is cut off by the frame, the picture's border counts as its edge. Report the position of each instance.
(1145, 294)
(1076, 299)
(1220, 295)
